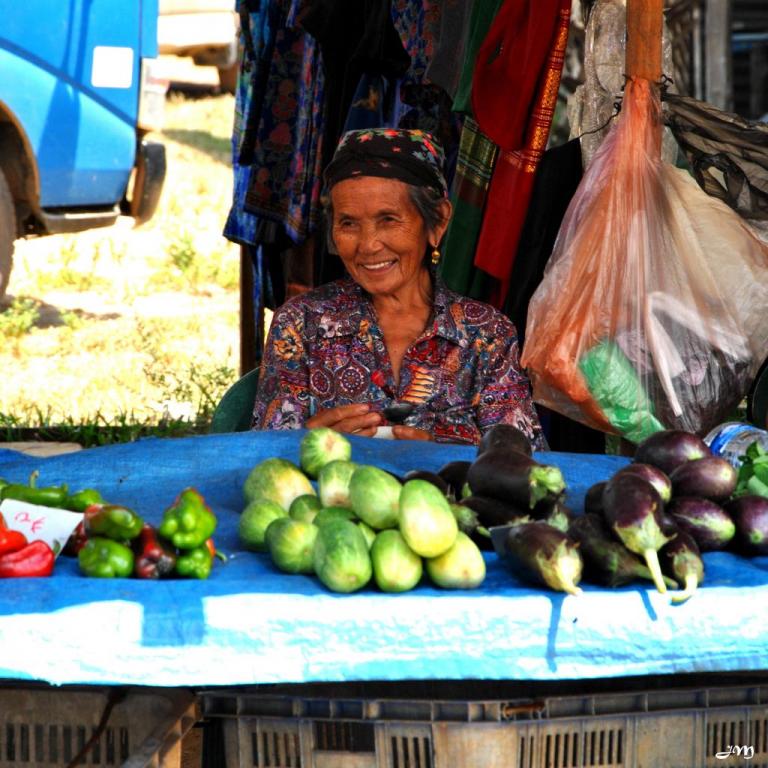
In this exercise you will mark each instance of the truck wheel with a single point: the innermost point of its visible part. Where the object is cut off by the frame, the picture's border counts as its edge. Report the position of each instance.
(7, 233)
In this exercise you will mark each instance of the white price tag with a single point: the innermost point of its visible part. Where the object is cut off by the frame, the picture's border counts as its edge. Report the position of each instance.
(51, 525)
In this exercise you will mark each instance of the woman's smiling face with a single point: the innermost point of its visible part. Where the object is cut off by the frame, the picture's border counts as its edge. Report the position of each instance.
(379, 234)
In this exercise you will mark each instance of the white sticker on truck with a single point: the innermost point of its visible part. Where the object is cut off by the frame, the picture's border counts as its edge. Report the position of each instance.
(112, 67)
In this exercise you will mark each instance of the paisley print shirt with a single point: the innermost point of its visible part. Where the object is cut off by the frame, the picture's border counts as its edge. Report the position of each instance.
(462, 374)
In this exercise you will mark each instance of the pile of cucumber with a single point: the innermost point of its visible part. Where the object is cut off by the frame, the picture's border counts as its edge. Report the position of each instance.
(359, 524)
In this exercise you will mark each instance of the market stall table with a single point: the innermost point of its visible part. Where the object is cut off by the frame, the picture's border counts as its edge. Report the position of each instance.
(249, 624)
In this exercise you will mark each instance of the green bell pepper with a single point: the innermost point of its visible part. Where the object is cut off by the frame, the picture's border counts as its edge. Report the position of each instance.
(188, 522)
(113, 521)
(195, 563)
(103, 558)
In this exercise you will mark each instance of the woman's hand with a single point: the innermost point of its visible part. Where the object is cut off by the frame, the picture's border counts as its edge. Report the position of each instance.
(356, 418)
(401, 432)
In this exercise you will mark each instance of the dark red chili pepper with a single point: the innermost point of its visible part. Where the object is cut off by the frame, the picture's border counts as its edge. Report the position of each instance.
(36, 559)
(153, 559)
(76, 541)
(10, 541)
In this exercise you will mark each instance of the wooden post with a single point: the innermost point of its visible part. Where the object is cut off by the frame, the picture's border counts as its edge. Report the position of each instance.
(717, 56)
(644, 29)
(758, 78)
(645, 22)
(247, 314)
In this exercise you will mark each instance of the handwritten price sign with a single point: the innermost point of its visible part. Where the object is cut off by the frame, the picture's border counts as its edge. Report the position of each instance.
(53, 526)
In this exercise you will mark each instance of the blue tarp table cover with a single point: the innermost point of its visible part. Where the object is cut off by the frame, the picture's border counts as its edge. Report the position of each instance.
(249, 623)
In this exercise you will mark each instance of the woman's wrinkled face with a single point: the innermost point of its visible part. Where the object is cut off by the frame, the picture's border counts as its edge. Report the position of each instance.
(379, 233)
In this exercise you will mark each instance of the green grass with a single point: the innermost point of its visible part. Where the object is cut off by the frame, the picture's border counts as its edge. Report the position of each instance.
(115, 334)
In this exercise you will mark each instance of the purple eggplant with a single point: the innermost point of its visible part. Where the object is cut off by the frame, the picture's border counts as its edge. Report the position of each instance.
(505, 437)
(455, 474)
(709, 524)
(750, 516)
(710, 478)
(670, 448)
(681, 559)
(593, 498)
(492, 512)
(655, 476)
(514, 478)
(430, 477)
(632, 508)
(541, 554)
(606, 560)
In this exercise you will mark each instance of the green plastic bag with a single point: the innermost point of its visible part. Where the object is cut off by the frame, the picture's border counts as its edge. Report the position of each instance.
(616, 388)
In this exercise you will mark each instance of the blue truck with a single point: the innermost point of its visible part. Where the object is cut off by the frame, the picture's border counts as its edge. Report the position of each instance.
(79, 97)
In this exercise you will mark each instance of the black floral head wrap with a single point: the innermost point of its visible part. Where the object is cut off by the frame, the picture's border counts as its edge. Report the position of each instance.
(411, 156)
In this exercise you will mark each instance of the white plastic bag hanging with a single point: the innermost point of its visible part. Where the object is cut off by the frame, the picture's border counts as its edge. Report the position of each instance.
(653, 310)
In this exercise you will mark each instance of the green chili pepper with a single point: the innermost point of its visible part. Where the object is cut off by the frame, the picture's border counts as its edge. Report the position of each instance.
(78, 502)
(105, 559)
(188, 522)
(195, 563)
(51, 496)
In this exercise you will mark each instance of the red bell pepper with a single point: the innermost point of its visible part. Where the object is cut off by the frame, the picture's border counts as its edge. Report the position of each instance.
(36, 559)
(10, 541)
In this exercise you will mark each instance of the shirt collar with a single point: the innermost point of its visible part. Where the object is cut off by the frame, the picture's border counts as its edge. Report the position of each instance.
(445, 324)
(355, 306)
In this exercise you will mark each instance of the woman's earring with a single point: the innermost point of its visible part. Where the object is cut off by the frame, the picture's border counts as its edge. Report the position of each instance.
(435, 255)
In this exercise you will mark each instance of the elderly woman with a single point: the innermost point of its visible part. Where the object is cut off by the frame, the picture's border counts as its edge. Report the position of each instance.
(391, 346)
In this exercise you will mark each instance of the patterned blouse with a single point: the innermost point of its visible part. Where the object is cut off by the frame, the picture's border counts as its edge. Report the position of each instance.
(463, 375)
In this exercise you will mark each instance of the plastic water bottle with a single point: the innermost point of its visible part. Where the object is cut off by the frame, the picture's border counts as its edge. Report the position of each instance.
(731, 440)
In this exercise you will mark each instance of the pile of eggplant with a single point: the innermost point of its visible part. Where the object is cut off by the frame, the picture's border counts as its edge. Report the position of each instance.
(673, 502)
(651, 520)
(507, 501)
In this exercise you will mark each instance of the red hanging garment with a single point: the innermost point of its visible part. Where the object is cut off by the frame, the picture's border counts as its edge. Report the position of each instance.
(514, 93)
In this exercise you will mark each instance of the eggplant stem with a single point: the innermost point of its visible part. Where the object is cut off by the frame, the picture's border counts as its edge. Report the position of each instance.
(691, 584)
(545, 481)
(652, 561)
(567, 572)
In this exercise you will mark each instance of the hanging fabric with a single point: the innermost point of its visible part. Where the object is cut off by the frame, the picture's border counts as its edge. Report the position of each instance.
(470, 187)
(554, 185)
(444, 69)
(284, 185)
(474, 165)
(255, 34)
(357, 38)
(530, 43)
